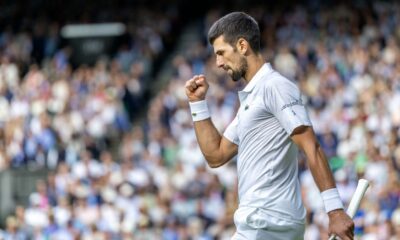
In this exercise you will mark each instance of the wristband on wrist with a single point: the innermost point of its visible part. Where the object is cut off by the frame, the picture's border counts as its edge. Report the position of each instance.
(199, 110)
(331, 200)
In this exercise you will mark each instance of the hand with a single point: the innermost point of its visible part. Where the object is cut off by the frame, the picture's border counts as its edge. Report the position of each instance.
(341, 225)
(196, 88)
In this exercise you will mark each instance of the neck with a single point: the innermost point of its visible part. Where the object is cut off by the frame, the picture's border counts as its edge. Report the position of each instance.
(255, 62)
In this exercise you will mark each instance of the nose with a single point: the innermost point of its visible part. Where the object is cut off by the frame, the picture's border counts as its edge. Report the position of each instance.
(220, 62)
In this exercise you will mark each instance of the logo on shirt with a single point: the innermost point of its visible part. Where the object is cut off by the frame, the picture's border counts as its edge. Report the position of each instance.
(297, 102)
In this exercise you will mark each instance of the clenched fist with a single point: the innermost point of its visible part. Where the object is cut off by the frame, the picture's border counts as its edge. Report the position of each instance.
(196, 88)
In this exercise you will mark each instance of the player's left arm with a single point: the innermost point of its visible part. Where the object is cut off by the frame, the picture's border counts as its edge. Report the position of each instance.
(339, 222)
(306, 140)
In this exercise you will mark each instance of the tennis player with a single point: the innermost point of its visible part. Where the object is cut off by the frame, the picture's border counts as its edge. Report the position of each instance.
(269, 127)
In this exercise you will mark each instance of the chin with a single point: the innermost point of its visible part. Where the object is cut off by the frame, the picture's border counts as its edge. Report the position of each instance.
(232, 75)
(235, 79)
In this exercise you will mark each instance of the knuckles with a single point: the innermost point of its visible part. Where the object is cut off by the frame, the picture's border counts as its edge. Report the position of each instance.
(196, 82)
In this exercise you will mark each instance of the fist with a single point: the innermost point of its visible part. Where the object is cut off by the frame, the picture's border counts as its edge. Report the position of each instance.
(196, 88)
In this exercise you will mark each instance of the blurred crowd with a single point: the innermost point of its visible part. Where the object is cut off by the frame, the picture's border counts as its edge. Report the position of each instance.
(116, 180)
(51, 110)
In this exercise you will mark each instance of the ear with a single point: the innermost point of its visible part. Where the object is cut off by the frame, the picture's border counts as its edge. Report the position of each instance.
(242, 46)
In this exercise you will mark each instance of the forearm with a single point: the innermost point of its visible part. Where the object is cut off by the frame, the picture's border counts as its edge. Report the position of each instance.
(216, 149)
(340, 223)
(305, 138)
(319, 168)
(209, 140)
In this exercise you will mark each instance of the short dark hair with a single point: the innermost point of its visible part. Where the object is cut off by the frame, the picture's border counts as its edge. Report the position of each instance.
(236, 25)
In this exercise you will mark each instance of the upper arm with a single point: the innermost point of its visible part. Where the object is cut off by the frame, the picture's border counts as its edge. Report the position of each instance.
(284, 100)
(228, 150)
(228, 147)
(304, 137)
(222, 154)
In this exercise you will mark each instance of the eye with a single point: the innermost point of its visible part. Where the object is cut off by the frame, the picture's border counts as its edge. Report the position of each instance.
(219, 52)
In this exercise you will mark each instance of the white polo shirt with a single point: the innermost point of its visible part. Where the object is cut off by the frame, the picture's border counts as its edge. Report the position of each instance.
(270, 109)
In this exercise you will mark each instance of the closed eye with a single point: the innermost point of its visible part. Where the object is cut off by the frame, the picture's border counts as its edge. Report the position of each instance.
(219, 52)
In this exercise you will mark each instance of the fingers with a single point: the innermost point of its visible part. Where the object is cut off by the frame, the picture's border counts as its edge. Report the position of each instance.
(346, 237)
(195, 82)
(346, 234)
(341, 225)
(200, 80)
(350, 230)
(191, 84)
(339, 236)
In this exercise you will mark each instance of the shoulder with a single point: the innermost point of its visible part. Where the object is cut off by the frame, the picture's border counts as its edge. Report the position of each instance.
(276, 82)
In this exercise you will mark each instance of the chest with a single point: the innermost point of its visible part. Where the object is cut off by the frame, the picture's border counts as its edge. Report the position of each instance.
(252, 113)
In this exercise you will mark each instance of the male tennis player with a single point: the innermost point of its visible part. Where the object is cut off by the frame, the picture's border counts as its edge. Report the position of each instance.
(270, 125)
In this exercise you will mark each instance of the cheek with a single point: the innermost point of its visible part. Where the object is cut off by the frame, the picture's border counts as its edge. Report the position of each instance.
(235, 63)
(228, 63)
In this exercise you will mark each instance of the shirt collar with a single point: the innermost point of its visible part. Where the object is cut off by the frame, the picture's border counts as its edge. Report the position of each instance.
(264, 70)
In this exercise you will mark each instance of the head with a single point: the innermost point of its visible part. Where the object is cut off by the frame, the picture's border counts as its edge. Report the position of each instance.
(235, 37)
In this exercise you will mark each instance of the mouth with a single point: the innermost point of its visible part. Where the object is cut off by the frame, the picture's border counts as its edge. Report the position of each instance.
(228, 70)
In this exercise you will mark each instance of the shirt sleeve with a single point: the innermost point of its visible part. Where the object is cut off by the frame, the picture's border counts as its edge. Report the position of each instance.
(283, 98)
(231, 132)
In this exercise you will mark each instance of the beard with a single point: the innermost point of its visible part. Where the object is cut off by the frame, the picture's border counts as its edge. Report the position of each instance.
(237, 74)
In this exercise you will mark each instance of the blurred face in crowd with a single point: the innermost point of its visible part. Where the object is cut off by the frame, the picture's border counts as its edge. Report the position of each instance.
(230, 59)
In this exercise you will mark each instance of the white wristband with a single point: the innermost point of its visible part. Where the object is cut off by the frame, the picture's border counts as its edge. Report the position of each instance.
(199, 110)
(331, 200)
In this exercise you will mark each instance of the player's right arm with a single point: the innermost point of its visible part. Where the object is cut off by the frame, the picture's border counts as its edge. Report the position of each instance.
(216, 149)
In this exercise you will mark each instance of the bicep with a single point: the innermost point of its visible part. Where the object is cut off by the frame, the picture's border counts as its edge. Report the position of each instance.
(228, 149)
(230, 141)
(224, 152)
